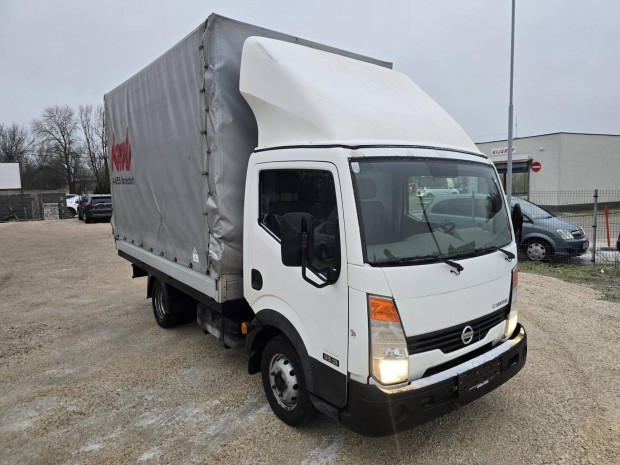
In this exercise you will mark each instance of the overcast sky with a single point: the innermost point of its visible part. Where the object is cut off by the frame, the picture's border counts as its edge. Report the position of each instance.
(567, 60)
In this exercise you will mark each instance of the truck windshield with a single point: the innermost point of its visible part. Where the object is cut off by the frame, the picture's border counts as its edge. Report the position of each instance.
(414, 210)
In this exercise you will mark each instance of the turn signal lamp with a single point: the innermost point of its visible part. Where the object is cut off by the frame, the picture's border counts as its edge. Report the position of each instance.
(388, 347)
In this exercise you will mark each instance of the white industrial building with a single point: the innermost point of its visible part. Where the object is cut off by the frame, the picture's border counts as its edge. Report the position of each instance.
(559, 162)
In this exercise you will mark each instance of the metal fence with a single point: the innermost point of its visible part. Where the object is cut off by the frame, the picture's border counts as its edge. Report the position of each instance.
(580, 226)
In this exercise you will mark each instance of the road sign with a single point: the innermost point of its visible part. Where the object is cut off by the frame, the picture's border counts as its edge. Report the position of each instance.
(536, 166)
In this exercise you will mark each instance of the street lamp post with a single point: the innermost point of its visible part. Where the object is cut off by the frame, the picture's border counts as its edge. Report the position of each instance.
(512, 65)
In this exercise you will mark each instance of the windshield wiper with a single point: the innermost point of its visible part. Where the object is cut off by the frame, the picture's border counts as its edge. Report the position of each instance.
(454, 265)
(457, 266)
(509, 255)
(431, 259)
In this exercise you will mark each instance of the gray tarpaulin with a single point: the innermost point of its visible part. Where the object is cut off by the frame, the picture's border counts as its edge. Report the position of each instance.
(179, 138)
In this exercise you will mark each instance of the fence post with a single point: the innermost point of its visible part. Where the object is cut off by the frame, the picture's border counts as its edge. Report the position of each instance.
(594, 227)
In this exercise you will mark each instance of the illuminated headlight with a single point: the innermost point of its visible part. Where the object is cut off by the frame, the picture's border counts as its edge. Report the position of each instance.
(511, 322)
(565, 234)
(388, 347)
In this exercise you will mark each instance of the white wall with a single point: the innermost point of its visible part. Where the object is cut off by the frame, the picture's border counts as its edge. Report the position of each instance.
(589, 162)
(569, 161)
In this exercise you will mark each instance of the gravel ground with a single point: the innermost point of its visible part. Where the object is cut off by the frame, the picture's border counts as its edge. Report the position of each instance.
(86, 376)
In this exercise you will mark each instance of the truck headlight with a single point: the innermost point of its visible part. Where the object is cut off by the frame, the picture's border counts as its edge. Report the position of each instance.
(565, 234)
(511, 322)
(388, 347)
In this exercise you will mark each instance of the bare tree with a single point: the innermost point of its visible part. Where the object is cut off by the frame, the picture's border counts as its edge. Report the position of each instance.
(15, 143)
(57, 130)
(94, 143)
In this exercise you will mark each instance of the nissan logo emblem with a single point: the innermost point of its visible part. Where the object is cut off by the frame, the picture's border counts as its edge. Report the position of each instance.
(467, 335)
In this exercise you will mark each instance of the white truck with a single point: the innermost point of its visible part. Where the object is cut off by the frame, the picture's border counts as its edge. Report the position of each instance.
(262, 183)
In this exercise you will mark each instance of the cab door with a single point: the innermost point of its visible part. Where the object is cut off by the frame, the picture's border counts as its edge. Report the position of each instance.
(319, 315)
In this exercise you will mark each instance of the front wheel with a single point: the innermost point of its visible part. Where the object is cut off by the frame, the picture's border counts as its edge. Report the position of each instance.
(284, 383)
(538, 250)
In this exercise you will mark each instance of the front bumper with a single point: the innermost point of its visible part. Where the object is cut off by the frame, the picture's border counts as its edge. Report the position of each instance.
(373, 411)
(571, 248)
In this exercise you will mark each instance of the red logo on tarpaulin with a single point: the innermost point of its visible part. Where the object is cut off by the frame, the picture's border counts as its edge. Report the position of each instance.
(121, 154)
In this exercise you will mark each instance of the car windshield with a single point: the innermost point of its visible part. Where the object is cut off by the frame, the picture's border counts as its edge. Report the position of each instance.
(406, 221)
(531, 210)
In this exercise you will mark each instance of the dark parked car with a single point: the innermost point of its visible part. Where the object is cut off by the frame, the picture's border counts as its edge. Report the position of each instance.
(546, 235)
(95, 206)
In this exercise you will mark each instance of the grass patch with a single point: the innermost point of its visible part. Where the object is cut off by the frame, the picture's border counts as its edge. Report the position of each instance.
(603, 279)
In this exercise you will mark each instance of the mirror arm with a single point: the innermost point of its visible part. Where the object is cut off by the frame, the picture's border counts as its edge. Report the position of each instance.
(304, 248)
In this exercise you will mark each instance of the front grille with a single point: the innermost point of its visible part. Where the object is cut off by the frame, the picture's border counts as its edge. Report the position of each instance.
(449, 339)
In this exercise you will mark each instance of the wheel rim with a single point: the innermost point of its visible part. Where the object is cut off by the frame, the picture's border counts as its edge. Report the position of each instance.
(159, 302)
(536, 251)
(283, 381)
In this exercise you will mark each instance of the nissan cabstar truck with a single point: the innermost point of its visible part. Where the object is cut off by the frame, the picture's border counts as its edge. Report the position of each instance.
(272, 188)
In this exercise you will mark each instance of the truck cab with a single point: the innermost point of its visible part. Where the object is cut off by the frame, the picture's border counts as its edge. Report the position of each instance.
(408, 313)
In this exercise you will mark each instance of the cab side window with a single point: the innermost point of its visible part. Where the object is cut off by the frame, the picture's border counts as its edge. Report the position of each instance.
(307, 191)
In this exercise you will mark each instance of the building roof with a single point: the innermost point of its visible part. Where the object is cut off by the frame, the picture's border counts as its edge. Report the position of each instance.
(548, 134)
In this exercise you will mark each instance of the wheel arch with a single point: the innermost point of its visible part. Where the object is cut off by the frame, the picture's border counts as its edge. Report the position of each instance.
(266, 325)
(537, 236)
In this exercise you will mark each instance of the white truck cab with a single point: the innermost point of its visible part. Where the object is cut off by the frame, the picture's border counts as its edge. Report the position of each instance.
(409, 300)
(355, 295)
(418, 305)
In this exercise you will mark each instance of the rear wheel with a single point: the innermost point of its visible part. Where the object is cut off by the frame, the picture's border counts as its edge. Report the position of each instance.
(162, 310)
(71, 212)
(537, 250)
(284, 382)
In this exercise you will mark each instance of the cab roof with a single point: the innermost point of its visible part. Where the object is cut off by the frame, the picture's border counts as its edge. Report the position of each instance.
(304, 96)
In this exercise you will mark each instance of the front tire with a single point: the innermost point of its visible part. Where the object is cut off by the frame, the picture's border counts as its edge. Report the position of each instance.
(284, 382)
(538, 250)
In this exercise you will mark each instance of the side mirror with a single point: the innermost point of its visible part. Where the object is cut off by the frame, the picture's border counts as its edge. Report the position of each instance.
(297, 245)
(297, 237)
(517, 222)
